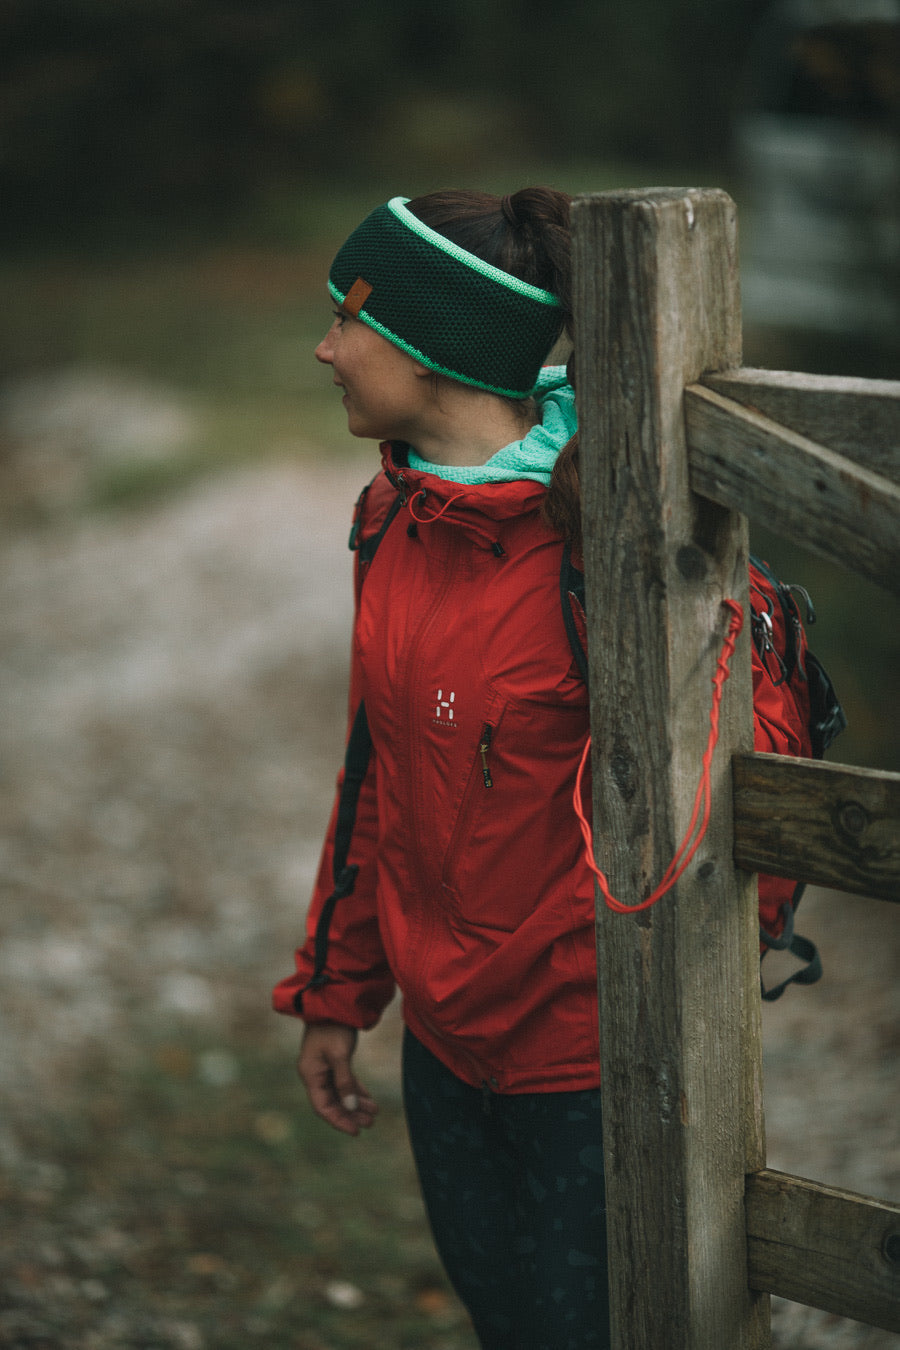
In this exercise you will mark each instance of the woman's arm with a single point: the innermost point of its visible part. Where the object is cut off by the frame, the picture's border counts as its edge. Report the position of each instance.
(356, 983)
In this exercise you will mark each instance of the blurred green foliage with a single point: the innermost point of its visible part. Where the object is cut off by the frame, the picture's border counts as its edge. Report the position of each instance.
(223, 1211)
(154, 108)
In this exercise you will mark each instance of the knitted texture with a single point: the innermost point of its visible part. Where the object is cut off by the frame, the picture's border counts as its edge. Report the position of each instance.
(453, 312)
(535, 455)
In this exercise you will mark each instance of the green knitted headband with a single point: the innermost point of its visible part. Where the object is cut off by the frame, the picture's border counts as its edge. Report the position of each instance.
(452, 311)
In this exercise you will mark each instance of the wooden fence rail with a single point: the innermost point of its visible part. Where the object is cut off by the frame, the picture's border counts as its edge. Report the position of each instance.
(679, 446)
(856, 418)
(825, 1247)
(793, 485)
(824, 823)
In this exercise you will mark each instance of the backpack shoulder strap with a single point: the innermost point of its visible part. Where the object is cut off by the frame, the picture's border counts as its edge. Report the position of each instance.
(376, 506)
(800, 947)
(571, 594)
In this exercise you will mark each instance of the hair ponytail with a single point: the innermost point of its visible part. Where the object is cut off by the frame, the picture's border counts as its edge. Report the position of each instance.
(562, 504)
(525, 233)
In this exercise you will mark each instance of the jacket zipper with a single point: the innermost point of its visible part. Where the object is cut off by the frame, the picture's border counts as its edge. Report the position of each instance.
(483, 748)
(425, 920)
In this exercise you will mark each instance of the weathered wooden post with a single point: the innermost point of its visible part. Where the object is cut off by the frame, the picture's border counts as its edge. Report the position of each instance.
(657, 302)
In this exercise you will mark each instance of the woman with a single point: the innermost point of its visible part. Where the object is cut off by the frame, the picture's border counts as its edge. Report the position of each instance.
(472, 891)
(454, 863)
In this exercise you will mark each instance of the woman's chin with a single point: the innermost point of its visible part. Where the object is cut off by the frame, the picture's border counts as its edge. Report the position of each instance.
(361, 428)
(362, 432)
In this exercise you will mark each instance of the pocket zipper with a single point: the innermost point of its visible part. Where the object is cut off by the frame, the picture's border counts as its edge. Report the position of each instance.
(483, 749)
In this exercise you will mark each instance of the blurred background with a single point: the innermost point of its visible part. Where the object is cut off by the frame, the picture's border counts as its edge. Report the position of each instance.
(175, 486)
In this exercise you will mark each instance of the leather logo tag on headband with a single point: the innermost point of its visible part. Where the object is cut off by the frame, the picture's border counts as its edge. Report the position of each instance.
(357, 296)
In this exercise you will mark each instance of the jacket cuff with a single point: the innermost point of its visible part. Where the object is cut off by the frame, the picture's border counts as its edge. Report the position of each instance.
(351, 1004)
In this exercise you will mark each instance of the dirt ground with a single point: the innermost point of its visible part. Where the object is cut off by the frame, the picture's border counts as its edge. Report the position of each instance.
(171, 705)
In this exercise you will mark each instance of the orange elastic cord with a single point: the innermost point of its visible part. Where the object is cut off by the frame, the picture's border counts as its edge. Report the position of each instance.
(426, 520)
(693, 835)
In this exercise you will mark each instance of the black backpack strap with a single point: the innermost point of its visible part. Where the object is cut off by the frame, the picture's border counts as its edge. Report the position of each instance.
(367, 547)
(827, 718)
(798, 946)
(571, 584)
(356, 763)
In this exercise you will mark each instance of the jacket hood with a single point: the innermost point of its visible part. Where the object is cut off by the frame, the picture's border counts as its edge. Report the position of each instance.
(513, 482)
(480, 509)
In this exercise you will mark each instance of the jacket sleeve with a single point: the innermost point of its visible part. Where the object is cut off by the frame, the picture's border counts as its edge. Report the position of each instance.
(356, 984)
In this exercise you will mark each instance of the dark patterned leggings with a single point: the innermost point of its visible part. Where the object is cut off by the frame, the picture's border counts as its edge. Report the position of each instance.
(514, 1190)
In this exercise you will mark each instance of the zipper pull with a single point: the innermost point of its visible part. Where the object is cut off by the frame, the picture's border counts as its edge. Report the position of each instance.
(483, 751)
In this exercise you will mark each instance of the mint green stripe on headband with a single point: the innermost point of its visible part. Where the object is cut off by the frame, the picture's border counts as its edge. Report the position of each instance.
(454, 312)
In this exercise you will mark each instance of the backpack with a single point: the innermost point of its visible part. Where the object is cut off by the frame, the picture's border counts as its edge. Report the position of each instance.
(796, 712)
(795, 708)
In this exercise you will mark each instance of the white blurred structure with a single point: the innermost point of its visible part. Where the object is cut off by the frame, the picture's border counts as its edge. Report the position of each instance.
(818, 141)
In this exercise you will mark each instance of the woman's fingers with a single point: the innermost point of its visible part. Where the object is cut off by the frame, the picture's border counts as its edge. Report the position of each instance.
(333, 1089)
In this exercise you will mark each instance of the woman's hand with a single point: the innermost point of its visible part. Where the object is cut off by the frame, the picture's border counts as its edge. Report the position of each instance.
(333, 1089)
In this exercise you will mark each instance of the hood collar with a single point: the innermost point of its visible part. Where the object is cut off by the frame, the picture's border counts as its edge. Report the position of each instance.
(479, 510)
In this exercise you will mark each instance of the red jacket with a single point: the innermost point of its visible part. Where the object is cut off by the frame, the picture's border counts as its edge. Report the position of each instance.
(473, 892)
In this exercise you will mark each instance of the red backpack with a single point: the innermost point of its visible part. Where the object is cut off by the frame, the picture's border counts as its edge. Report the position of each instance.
(796, 712)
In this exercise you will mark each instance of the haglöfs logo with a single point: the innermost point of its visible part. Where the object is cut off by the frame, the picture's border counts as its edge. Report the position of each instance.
(445, 706)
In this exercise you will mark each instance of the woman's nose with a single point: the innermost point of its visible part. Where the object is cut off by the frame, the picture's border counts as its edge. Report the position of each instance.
(325, 349)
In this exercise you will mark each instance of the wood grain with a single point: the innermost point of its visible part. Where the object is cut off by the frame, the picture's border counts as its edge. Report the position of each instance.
(825, 1247)
(857, 418)
(794, 486)
(831, 824)
(656, 302)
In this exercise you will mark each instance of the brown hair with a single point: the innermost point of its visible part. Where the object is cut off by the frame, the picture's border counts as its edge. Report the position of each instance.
(526, 234)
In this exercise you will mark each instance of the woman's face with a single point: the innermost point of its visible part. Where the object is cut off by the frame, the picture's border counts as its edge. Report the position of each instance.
(386, 392)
